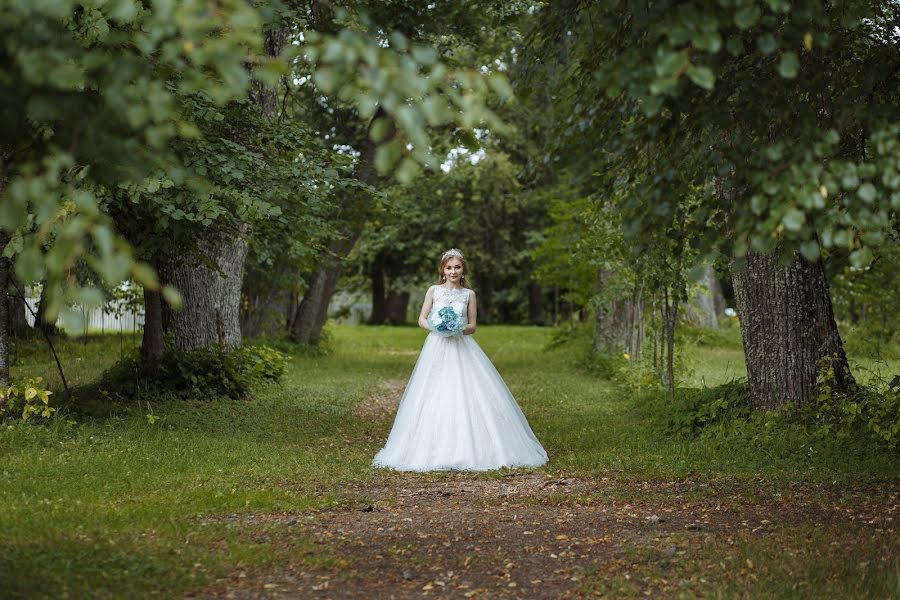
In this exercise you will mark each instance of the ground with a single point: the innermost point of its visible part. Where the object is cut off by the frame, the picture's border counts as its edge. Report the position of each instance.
(528, 534)
(274, 496)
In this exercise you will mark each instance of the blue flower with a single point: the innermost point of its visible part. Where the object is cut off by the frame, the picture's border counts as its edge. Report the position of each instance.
(446, 321)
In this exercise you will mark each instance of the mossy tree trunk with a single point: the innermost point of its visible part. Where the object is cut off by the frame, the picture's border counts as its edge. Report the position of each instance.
(789, 333)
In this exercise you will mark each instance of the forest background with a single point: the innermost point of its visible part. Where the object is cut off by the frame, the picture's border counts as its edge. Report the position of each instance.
(618, 174)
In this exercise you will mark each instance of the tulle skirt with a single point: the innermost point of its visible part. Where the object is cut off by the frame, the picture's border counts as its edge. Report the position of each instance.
(457, 413)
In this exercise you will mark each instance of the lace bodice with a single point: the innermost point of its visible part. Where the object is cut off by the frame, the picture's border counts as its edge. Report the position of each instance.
(458, 299)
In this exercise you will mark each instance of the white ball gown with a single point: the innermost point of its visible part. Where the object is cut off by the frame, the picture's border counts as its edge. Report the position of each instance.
(456, 412)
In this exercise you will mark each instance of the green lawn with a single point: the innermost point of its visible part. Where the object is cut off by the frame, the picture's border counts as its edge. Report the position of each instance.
(110, 504)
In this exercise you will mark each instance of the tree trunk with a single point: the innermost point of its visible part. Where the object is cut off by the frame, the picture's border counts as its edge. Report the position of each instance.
(536, 313)
(312, 312)
(17, 307)
(379, 295)
(788, 330)
(397, 306)
(485, 298)
(210, 315)
(4, 316)
(611, 328)
(267, 303)
(670, 320)
(41, 321)
(152, 344)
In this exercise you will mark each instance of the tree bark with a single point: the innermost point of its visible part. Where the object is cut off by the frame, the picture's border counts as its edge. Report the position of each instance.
(41, 322)
(485, 297)
(789, 331)
(4, 316)
(210, 315)
(611, 328)
(152, 342)
(312, 312)
(379, 293)
(536, 312)
(397, 306)
(313, 309)
(267, 305)
(18, 310)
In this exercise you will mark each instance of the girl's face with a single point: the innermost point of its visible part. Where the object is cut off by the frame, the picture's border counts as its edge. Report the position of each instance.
(453, 270)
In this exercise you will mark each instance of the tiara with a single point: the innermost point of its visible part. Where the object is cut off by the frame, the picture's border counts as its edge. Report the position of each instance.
(451, 252)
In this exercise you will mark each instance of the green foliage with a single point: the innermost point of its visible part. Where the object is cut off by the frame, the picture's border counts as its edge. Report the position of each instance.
(871, 411)
(204, 374)
(707, 411)
(409, 81)
(868, 416)
(25, 400)
(782, 116)
(478, 206)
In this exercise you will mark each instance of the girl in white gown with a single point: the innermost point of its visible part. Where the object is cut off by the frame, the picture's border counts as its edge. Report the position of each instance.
(456, 412)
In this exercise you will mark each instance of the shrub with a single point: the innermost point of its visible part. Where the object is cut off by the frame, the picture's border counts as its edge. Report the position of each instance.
(24, 400)
(706, 410)
(869, 410)
(869, 414)
(198, 374)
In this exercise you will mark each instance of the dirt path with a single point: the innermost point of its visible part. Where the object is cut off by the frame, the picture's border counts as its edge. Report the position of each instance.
(529, 535)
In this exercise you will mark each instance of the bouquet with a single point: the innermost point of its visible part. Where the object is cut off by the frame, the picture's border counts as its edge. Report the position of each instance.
(446, 322)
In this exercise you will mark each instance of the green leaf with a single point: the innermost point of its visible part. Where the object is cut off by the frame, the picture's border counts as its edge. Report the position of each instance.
(867, 192)
(500, 84)
(123, 11)
(387, 156)
(702, 76)
(669, 64)
(172, 297)
(663, 85)
(398, 41)
(424, 55)
(710, 41)
(793, 219)
(861, 258)
(325, 79)
(380, 130)
(145, 275)
(747, 16)
(789, 65)
(407, 170)
(735, 45)
(766, 43)
(30, 265)
(810, 250)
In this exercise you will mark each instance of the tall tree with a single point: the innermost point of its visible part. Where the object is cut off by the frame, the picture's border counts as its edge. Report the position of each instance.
(790, 108)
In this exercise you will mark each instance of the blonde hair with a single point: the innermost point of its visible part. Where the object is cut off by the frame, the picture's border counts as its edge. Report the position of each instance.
(445, 258)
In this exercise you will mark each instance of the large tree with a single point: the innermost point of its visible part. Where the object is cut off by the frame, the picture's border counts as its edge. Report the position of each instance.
(782, 116)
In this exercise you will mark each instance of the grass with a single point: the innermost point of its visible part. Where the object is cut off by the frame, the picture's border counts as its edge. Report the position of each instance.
(105, 503)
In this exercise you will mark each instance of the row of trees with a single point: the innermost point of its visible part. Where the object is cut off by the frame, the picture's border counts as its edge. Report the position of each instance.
(763, 136)
(230, 160)
(184, 145)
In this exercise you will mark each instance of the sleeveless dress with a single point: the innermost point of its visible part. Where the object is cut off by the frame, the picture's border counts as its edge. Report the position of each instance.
(456, 412)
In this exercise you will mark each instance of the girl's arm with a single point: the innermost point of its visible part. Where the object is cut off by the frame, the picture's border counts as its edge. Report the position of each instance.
(426, 308)
(473, 315)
